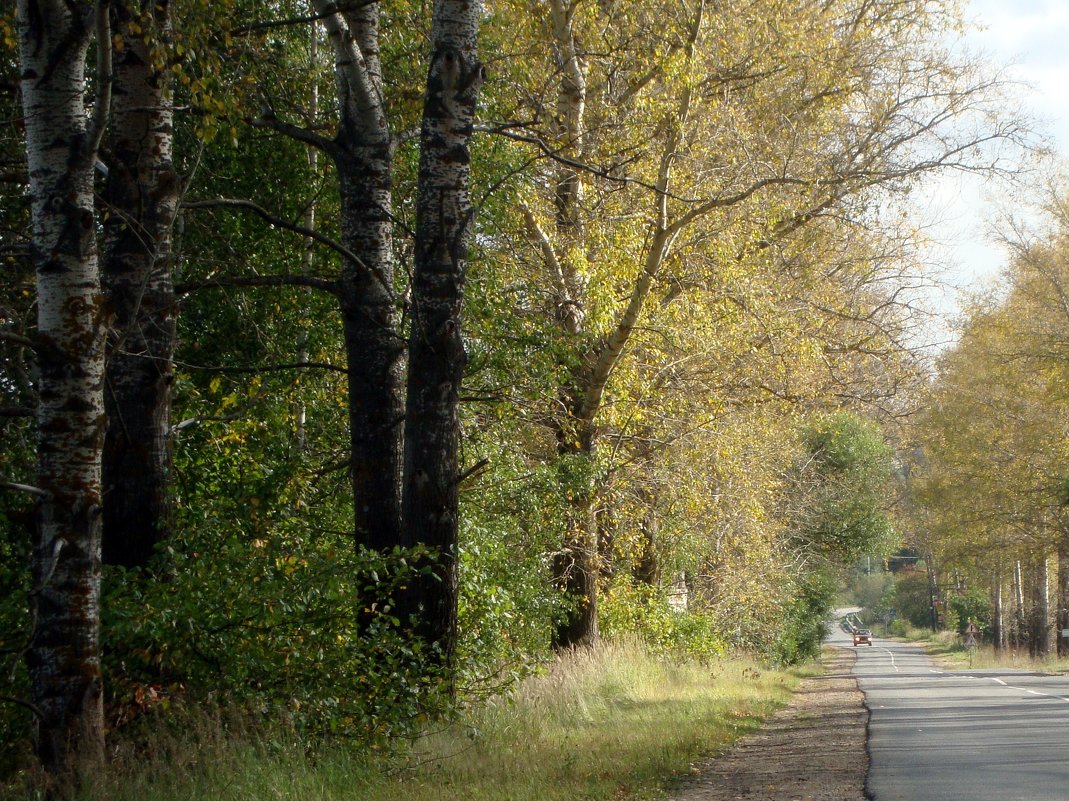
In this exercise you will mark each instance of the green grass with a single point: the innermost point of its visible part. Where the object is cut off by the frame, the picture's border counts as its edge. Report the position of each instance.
(947, 649)
(615, 723)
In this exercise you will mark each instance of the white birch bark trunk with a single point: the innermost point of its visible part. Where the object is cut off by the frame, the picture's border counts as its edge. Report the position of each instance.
(61, 145)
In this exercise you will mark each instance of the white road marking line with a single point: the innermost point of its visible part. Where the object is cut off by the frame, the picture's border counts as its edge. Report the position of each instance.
(888, 650)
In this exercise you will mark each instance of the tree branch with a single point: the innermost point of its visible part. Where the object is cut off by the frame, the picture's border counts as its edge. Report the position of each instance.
(264, 368)
(365, 103)
(16, 487)
(36, 710)
(332, 8)
(102, 105)
(257, 280)
(17, 339)
(308, 137)
(16, 411)
(264, 214)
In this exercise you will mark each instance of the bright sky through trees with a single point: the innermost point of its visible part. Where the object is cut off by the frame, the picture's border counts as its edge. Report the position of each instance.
(1029, 37)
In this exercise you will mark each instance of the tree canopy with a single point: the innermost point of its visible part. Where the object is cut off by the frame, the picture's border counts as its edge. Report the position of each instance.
(378, 348)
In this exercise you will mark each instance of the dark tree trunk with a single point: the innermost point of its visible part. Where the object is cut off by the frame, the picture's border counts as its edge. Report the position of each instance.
(373, 347)
(141, 195)
(436, 356)
(362, 152)
(1063, 593)
(647, 568)
(998, 629)
(575, 573)
(576, 565)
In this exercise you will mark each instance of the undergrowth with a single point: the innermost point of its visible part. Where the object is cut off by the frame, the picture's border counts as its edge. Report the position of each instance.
(611, 723)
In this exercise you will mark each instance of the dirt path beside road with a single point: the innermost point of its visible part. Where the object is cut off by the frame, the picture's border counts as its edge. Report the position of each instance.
(811, 750)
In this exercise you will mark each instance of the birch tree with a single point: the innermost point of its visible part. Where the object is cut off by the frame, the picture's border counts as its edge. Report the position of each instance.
(414, 502)
(141, 199)
(436, 357)
(362, 151)
(754, 132)
(62, 139)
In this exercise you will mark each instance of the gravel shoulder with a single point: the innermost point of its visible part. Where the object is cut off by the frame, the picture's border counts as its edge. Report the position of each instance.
(814, 749)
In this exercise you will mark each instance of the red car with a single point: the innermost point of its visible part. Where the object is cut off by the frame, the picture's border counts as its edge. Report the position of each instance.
(862, 637)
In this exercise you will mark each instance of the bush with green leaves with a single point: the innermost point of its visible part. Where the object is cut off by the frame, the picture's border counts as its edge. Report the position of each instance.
(913, 598)
(283, 628)
(804, 618)
(630, 608)
(970, 606)
(849, 469)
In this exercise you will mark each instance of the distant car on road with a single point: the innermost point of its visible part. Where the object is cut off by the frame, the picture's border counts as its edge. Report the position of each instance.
(862, 637)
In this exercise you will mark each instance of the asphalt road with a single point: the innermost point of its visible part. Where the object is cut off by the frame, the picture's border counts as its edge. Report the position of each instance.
(977, 735)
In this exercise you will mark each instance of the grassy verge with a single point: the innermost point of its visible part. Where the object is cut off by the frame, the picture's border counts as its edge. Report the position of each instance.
(947, 649)
(614, 723)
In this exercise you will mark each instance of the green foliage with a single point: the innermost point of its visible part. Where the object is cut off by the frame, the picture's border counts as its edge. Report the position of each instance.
(972, 606)
(852, 467)
(874, 593)
(804, 619)
(278, 625)
(632, 609)
(913, 599)
(507, 605)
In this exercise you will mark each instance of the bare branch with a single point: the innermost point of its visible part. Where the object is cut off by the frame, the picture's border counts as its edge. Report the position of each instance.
(222, 282)
(36, 710)
(332, 8)
(475, 469)
(17, 339)
(305, 135)
(16, 411)
(264, 214)
(264, 368)
(16, 487)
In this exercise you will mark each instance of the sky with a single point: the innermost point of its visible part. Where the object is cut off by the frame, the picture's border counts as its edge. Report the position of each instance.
(1031, 39)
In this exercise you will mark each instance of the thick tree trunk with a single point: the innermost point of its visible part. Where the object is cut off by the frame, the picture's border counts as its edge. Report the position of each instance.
(436, 357)
(61, 144)
(576, 567)
(374, 349)
(1063, 593)
(142, 196)
(1018, 606)
(998, 629)
(647, 567)
(1041, 609)
(373, 346)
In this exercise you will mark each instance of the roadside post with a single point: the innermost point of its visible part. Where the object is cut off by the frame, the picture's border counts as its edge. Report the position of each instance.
(970, 640)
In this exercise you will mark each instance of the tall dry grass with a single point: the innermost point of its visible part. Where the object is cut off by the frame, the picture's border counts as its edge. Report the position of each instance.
(610, 723)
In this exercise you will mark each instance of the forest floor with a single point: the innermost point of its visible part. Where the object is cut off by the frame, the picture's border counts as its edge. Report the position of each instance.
(814, 749)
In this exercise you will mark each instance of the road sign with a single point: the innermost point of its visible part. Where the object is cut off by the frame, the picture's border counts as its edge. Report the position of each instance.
(972, 630)
(970, 640)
